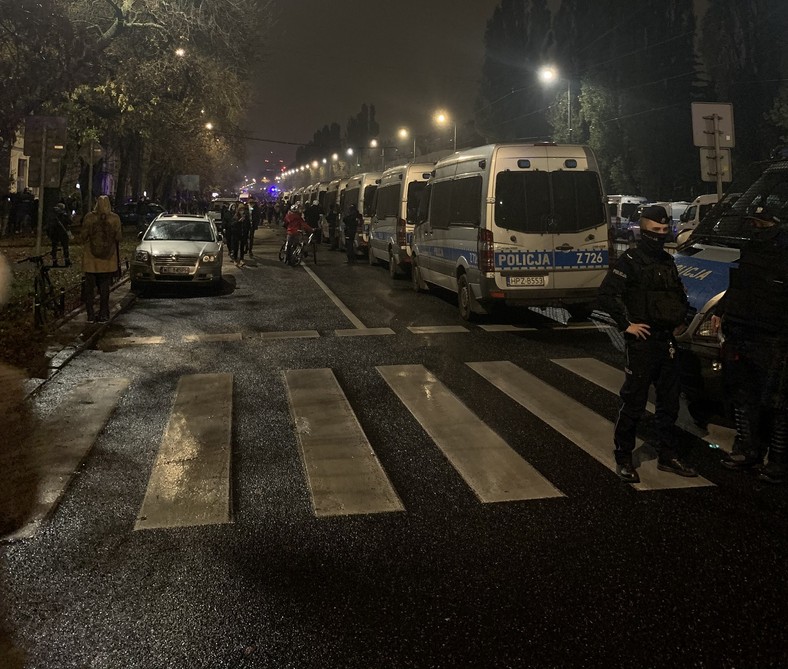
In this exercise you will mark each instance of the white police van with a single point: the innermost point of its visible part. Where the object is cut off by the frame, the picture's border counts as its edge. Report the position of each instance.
(360, 191)
(396, 209)
(704, 263)
(514, 224)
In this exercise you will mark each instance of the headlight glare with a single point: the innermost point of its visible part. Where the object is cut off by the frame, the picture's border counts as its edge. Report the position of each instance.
(209, 257)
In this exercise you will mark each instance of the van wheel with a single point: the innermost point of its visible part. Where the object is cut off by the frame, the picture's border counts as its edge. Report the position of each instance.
(393, 268)
(371, 257)
(415, 278)
(464, 298)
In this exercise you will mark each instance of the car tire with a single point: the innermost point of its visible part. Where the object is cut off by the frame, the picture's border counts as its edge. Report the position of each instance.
(138, 289)
(371, 257)
(465, 299)
(394, 271)
(418, 284)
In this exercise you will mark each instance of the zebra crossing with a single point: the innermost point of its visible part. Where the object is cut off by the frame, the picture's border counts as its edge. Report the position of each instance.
(189, 481)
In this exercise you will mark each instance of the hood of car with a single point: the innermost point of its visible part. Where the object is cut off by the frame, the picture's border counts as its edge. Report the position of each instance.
(177, 248)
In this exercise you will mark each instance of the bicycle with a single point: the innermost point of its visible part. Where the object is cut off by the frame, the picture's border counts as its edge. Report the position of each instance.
(300, 249)
(47, 305)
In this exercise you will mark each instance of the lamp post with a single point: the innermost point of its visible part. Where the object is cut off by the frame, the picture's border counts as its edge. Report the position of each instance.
(442, 118)
(404, 133)
(373, 144)
(548, 75)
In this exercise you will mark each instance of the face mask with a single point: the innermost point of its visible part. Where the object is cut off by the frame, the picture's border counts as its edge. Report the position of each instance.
(653, 241)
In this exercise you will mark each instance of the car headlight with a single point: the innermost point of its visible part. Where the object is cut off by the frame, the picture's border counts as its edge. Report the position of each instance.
(142, 256)
(209, 257)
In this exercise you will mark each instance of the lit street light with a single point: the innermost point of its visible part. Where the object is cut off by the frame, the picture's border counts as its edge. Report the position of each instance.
(442, 118)
(404, 133)
(180, 52)
(209, 126)
(548, 75)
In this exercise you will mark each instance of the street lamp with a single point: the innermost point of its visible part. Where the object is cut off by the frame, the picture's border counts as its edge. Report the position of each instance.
(209, 126)
(548, 75)
(180, 52)
(442, 118)
(404, 133)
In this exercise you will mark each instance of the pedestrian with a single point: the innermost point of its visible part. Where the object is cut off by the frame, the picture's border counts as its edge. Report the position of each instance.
(256, 219)
(243, 228)
(332, 218)
(312, 216)
(753, 315)
(100, 235)
(231, 232)
(352, 221)
(59, 233)
(295, 225)
(644, 295)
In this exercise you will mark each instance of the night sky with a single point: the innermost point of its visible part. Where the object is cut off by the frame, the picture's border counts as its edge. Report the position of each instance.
(326, 58)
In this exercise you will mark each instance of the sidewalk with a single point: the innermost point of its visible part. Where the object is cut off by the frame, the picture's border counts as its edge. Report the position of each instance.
(75, 334)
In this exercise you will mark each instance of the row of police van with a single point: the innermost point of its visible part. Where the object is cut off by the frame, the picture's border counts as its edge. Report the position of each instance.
(528, 224)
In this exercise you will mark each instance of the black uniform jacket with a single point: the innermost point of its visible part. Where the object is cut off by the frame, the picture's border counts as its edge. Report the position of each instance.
(643, 287)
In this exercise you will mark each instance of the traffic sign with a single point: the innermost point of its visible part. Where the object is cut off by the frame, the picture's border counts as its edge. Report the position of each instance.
(708, 165)
(708, 117)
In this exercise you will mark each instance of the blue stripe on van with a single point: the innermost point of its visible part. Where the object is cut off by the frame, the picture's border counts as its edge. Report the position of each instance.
(594, 259)
(703, 279)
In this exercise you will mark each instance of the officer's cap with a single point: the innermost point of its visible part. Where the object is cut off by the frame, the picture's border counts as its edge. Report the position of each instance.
(655, 213)
(762, 214)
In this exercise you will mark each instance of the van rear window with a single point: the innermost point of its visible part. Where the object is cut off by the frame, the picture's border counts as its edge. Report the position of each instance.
(540, 202)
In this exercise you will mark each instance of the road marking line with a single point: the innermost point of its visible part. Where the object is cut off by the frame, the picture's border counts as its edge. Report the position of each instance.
(364, 332)
(133, 341)
(611, 379)
(348, 314)
(63, 441)
(289, 334)
(344, 474)
(436, 329)
(492, 469)
(507, 328)
(227, 336)
(190, 480)
(588, 430)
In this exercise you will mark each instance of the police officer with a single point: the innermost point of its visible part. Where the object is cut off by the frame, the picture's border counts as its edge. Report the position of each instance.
(754, 318)
(352, 221)
(645, 297)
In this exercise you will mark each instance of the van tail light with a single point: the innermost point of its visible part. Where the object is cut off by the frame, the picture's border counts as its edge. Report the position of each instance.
(486, 251)
(401, 232)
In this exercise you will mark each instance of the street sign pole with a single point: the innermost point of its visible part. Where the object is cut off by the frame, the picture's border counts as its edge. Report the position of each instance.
(717, 153)
(90, 180)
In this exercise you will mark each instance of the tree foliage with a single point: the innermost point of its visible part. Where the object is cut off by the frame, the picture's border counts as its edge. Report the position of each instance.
(633, 70)
(111, 67)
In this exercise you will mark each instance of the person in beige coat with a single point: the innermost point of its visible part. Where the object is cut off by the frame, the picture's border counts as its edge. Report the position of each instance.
(101, 233)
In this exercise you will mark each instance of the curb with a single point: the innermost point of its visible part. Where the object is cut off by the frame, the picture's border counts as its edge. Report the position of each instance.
(88, 335)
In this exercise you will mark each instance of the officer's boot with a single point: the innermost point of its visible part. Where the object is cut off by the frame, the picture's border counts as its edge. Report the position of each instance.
(776, 470)
(745, 453)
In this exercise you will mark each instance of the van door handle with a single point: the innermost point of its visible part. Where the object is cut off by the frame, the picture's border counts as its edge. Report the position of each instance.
(564, 247)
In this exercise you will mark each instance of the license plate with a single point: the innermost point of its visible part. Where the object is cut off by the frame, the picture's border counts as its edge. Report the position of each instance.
(175, 270)
(525, 281)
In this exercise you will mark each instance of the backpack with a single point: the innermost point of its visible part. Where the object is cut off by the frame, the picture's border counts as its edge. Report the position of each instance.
(102, 243)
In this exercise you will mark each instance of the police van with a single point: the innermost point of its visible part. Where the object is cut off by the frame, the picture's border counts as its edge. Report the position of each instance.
(622, 209)
(704, 263)
(514, 224)
(334, 192)
(396, 209)
(360, 191)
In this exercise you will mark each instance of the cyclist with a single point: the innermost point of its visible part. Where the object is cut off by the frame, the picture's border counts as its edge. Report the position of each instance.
(295, 224)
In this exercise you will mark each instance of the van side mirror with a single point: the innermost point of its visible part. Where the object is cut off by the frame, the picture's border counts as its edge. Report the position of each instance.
(683, 217)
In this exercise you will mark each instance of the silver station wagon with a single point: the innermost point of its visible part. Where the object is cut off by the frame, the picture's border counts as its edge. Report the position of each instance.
(178, 248)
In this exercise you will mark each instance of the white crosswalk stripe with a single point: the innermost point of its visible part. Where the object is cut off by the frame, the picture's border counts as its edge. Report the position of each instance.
(344, 475)
(190, 481)
(588, 430)
(494, 471)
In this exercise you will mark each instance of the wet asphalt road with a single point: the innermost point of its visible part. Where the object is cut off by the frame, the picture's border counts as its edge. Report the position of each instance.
(605, 576)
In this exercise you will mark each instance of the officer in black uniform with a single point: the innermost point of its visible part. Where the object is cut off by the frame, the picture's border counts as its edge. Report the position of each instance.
(645, 297)
(754, 318)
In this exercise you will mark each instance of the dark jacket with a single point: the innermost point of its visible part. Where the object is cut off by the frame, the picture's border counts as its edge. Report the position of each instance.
(352, 221)
(757, 295)
(644, 288)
